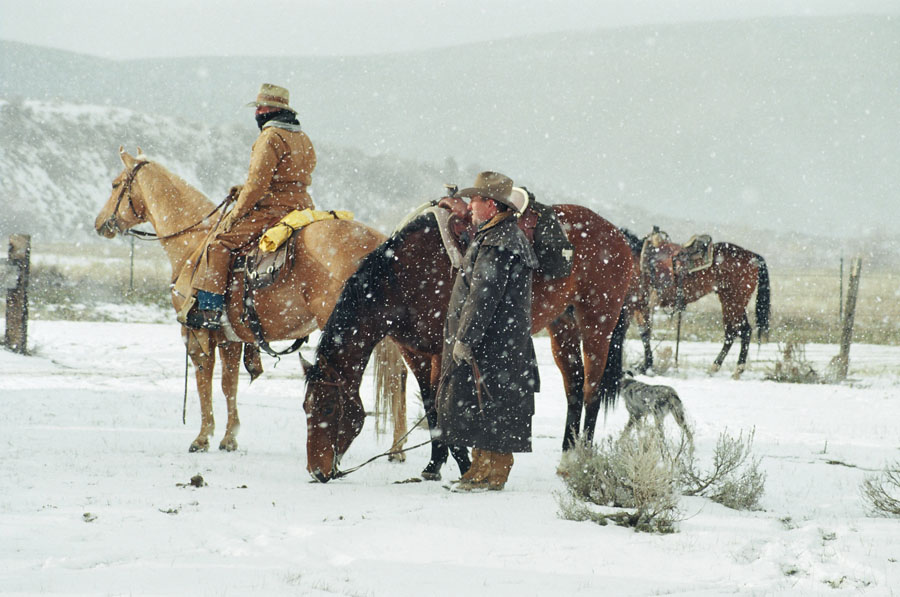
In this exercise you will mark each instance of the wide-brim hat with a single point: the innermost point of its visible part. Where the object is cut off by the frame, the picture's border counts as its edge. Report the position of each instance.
(273, 96)
(491, 185)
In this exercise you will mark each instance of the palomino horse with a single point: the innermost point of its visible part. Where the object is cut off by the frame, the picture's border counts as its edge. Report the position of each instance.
(402, 290)
(733, 275)
(326, 254)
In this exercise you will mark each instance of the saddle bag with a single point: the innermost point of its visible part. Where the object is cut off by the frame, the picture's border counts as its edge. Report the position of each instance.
(551, 245)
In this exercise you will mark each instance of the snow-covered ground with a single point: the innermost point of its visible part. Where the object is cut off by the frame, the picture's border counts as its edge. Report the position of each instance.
(94, 463)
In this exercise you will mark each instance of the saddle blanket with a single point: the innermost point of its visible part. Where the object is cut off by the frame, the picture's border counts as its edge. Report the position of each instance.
(275, 236)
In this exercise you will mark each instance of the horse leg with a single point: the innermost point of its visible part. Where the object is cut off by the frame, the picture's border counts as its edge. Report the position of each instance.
(730, 333)
(230, 353)
(643, 316)
(746, 331)
(598, 334)
(426, 369)
(202, 353)
(565, 341)
(398, 419)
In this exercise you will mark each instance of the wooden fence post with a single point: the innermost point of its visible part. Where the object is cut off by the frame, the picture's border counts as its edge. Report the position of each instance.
(17, 268)
(842, 362)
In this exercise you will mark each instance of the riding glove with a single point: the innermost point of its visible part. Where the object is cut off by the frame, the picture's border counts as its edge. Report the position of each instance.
(462, 353)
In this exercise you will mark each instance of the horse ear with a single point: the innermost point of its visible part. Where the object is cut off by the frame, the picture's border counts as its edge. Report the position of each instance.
(140, 152)
(126, 158)
(305, 364)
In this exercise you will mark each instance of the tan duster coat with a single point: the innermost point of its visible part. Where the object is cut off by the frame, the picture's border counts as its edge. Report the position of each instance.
(281, 164)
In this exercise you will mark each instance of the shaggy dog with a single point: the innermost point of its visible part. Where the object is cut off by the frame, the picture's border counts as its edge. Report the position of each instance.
(642, 399)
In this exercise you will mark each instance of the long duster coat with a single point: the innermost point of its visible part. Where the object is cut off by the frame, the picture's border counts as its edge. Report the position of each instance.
(281, 164)
(490, 311)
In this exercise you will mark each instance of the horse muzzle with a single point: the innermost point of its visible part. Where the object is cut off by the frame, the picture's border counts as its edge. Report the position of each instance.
(107, 229)
(323, 477)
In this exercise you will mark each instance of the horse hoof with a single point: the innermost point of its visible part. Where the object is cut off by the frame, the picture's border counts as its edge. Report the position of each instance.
(399, 457)
(228, 446)
(198, 447)
(431, 476)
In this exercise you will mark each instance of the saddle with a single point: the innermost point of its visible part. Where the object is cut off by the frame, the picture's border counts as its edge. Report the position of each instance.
(663, 263)
(539, 224)
(697, 253)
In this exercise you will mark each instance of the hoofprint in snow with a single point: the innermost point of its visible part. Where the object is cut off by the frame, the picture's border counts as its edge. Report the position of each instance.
(96, 498)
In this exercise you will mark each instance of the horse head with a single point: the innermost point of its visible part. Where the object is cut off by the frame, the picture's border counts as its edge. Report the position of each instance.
(333, 420)
(125, 207)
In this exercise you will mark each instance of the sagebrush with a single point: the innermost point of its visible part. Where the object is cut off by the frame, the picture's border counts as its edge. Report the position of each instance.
(882, 491)
(643, 474)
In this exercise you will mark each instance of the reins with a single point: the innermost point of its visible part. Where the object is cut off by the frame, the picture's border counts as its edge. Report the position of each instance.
(479, 384)
(140, 234)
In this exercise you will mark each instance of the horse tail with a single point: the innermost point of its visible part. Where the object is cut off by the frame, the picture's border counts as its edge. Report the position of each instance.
(763, 300)
(609, 383)
(390, 387)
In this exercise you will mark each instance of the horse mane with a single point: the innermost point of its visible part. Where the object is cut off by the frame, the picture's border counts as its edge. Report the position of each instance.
(364, 289)
(177, 181)
(634, 241)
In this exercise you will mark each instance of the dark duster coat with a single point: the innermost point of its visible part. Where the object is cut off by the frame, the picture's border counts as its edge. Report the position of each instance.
(490, 311)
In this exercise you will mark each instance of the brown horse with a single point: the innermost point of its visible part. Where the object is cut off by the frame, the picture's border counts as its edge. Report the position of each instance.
(326, 254)
(734, 274)
(402, 290)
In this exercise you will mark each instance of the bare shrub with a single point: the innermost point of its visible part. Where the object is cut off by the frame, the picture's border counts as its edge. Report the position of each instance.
(631, 473)
(664, 361)
(793, 367)
(882, 491)
(734, 479)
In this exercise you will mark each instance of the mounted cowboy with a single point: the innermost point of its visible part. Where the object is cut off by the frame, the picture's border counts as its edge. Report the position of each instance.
(281, 164)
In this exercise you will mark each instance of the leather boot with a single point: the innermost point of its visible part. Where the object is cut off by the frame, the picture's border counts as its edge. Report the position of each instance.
(478, 469)
(478, 480)
(501, 465)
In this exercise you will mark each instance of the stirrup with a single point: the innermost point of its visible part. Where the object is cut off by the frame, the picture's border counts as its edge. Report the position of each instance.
(203, 319)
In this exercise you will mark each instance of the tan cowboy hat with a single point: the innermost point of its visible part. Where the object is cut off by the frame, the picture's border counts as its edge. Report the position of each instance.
(274, 97)
(491, 185)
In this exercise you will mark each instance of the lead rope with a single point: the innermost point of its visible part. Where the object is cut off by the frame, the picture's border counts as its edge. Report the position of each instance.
(479, 384)
(388, 452)
(184, 403)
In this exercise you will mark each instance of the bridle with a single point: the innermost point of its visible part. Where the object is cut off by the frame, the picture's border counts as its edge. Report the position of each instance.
(126, 188)
(343, 395)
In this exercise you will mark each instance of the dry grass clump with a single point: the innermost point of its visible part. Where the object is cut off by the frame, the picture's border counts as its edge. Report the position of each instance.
(643, 475)
(882, 491)
(793, 367)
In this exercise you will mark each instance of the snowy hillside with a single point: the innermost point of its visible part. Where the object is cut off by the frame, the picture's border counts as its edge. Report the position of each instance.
(58, 159)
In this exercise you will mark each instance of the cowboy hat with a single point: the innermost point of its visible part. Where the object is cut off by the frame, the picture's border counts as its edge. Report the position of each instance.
(274, 97)
(491, 185)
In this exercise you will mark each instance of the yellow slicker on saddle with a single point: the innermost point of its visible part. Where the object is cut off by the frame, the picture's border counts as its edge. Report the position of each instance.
(297, 219)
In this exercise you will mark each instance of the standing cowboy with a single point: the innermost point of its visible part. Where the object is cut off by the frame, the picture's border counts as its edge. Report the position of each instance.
(281, 165)
(489, 372)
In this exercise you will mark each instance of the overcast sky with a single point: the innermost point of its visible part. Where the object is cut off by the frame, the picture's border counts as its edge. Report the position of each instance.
(152, 28)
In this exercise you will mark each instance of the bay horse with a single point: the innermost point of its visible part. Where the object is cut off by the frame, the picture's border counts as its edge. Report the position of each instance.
(402, 291)
(734, 274)
(326, 254)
